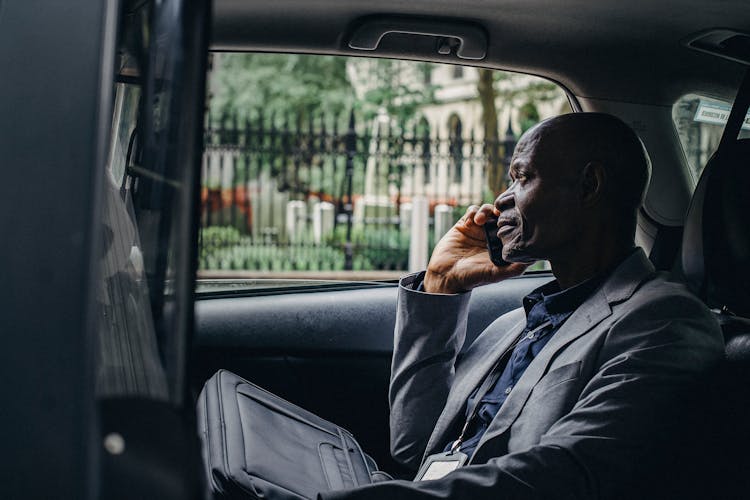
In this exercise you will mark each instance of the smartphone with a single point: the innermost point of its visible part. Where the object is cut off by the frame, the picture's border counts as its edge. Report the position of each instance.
(494, 244)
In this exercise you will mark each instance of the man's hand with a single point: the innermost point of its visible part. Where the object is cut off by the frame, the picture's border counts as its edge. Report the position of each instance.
(460, 260)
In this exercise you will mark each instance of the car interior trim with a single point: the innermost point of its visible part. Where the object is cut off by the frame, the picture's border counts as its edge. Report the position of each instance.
(727, 43)
(466, 40)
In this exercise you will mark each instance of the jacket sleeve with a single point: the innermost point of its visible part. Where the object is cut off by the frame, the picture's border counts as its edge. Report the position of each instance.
(430, 330)
(621, 438)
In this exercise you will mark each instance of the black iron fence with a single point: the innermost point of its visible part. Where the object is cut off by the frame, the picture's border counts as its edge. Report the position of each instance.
(333, 193)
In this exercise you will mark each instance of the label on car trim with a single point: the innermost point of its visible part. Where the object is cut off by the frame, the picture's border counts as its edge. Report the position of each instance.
(716, 113)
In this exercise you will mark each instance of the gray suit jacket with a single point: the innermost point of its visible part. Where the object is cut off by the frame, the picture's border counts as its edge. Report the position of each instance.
(596, 413)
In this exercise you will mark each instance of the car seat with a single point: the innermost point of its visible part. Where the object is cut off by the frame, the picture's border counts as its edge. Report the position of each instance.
(715, 262)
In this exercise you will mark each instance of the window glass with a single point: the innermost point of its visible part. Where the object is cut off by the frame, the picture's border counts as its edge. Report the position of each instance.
(334, 168)
(700, 121)
(126, 324)
(128, 356)
(145, 294)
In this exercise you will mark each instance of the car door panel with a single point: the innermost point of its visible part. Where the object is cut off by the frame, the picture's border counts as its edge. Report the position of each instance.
(327, 351)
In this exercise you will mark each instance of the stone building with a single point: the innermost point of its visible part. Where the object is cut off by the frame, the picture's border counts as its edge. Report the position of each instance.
(453, 117)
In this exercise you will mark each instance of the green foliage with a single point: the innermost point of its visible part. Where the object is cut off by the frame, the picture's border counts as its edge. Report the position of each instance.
(224, 248)
(382, 248)
(540, 265)
(532, 91)
(396, 90)
(279, 84)
(528, 115)
(300, 85)
(219, 236)
(373, 248)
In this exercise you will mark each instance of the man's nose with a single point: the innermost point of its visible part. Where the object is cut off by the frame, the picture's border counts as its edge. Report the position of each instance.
(505, 200)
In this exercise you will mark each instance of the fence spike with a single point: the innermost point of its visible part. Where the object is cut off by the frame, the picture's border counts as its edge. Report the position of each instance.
(351, 121)
(260, 130)
(426, 155)
(274, 133)
(284, 185)
(209, 128)
(310, 134)
(266, 143)
(235, 127)
(351, 151)
(247, 132)
(322, 132)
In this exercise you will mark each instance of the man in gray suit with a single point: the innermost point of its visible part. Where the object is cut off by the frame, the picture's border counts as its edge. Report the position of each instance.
(582, 392)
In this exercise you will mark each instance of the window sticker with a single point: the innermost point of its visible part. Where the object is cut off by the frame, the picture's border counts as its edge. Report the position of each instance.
(716, 113)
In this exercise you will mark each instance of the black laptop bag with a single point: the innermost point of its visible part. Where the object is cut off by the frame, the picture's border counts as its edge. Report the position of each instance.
(257, 445)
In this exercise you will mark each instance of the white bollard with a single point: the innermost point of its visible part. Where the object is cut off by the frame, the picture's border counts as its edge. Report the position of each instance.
(418, 244)
(214, 172)
(295, 220)
(443, 220)
(323, 215)
(227, 174)
(266, 191)
(404, 215)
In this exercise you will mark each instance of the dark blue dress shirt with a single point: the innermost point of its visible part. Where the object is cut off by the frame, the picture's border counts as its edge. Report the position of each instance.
(546, 304)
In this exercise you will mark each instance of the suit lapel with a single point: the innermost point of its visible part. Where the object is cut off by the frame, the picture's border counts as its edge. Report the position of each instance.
(586, 317)
(620, 286)
(473, 368)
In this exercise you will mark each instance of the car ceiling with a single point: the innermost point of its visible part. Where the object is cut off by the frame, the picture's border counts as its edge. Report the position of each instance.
(606, 49)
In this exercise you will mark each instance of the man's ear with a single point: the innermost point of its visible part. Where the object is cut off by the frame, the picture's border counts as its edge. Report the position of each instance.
(593, 178)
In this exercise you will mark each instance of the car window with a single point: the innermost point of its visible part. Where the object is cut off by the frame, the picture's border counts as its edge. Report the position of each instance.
(699, 121)
(340, 168)
(145, 294)
(125, 321)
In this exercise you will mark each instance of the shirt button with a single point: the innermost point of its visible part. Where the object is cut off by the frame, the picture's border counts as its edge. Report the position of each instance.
(508, 389)
(531, 336)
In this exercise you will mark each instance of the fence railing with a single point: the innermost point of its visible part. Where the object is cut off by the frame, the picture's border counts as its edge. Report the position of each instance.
(334, 193)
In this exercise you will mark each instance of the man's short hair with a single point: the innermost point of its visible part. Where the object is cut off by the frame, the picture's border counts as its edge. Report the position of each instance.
(604, 138)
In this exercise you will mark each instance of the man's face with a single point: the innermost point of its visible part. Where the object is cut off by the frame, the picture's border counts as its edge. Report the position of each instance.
(540, 211)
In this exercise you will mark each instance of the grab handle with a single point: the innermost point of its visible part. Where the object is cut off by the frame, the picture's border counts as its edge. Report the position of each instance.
(472, 40)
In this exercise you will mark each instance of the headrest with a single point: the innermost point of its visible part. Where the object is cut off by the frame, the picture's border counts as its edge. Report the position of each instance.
(716, 238)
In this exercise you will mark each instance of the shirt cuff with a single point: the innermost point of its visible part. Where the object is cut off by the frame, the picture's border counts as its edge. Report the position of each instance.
(414, 281)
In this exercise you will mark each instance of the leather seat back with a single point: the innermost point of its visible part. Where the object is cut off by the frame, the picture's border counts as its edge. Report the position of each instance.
(715, 262)
(716, 238)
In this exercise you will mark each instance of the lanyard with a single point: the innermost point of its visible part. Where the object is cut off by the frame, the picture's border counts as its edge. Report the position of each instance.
(490, 380)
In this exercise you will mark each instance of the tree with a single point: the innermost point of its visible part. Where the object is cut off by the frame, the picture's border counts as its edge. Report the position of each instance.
(299, 85)
(494, 85)
(279, 84)
(528, 116)
(397, 87)
(487, 98)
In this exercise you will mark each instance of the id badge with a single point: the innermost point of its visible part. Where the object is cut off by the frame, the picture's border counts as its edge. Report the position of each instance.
(440, 464)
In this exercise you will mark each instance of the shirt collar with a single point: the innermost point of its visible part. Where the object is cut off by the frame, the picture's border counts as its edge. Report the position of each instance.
(563, 302)
(549, 303)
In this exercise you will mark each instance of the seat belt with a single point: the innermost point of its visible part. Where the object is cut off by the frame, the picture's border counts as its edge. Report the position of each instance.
(737, 114)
